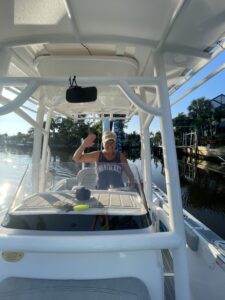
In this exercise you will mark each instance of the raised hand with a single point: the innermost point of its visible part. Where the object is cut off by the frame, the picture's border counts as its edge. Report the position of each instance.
(89, 140)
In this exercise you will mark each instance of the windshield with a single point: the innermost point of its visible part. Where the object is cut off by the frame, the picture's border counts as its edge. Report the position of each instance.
(72, 183)
(112, 190)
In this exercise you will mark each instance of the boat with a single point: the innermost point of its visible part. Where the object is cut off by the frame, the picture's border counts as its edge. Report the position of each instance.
(62, 238)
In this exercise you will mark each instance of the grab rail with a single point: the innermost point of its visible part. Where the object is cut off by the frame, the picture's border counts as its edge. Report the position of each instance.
(89, 242)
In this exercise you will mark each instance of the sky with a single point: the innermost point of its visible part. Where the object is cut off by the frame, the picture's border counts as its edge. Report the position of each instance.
(12, 124)
(214, 87)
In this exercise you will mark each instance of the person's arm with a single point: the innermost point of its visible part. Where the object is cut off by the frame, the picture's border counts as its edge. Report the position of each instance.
(127, 169)
(79, 156)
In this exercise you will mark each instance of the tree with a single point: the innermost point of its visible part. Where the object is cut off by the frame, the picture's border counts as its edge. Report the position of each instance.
(158, 139)
(218, 116)
(65, 132)
(30, 135)
(3, 138)
(219, 113)
(182, 124)
(133, 139)
(151, 137)
(200, 114)
(96, 128)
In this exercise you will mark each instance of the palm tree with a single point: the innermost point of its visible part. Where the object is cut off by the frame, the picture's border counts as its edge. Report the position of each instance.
(158, 139)
(201, 114)
(182, 124)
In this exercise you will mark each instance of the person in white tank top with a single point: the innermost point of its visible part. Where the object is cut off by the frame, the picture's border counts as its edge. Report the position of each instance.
(107, 160)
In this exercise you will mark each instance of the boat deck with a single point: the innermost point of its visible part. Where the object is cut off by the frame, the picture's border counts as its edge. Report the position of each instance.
(27, 288)
(121, 201)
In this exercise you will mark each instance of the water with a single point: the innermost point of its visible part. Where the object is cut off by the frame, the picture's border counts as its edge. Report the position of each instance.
(13, 164)
(202, 189)
(202, 184)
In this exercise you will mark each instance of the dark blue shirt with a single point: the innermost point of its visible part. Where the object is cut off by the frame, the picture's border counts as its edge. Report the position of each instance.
(109, 172)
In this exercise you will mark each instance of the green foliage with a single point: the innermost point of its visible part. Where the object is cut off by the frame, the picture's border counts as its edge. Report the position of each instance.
(202, 117)
(96, 128)
(201, 114)
(132, 139)
(199, 107)
(219, 113)
(157, 138)
(182, 120)
(66, 132)
(181, 124)
(20, 138)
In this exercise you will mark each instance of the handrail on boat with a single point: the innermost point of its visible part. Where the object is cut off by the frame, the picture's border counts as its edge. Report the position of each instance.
(90, 242)
(20, 189)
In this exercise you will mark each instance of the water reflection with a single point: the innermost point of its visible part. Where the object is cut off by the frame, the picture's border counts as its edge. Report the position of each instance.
(13, 163)
(4, 191)
(202, 188)
(206, 184)
(201, 177)
(17, 150)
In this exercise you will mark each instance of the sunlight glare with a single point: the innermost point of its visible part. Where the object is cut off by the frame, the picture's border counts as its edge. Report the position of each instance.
(8, 94)
(7, 160)
(4, 191)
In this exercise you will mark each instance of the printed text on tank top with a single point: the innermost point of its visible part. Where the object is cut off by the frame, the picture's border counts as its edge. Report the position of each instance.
(109, 171)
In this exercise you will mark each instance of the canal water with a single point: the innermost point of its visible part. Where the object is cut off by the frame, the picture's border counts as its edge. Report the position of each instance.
(202, 183)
